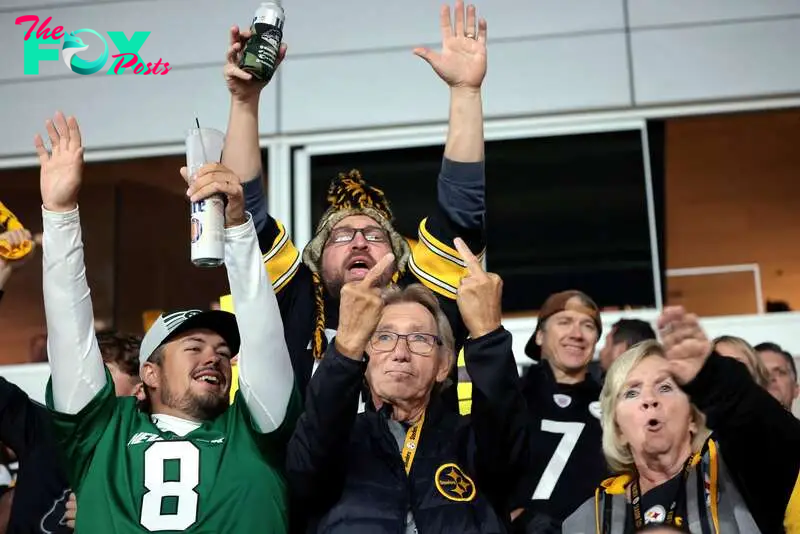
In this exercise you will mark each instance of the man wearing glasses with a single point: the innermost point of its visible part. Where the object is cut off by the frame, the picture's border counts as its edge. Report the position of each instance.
(357, 229)
(411, 465)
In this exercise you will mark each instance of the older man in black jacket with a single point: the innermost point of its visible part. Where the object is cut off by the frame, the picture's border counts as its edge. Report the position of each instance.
(410, 464)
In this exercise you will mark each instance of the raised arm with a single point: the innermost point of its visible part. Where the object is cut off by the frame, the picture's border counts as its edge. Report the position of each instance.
(462, 65)
(498, 416)
(242, 153)
(317, 460)
(747, 422)
(266, 379)
(76, 366)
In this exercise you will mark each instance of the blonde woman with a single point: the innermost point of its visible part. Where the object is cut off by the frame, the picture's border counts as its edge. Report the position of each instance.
(670, 468)
(739, 349)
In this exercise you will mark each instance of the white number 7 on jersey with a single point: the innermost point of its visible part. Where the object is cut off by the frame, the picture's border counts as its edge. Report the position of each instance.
(571, 432)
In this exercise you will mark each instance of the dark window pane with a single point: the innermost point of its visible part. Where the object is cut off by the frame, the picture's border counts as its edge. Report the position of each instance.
(562, 212)
(569, 212)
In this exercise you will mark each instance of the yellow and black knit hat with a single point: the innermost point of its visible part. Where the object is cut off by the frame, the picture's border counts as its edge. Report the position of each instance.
(349, 194)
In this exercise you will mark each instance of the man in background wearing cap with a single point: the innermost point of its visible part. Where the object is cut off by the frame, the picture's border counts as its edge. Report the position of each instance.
(187, 461)
(356, 230)
(567, 456)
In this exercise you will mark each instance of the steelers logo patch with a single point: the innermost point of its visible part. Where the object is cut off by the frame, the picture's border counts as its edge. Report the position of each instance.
(197, 229)
(656, 514)
(454, 484)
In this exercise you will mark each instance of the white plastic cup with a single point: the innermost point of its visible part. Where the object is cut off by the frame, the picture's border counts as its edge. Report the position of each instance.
(207, 217)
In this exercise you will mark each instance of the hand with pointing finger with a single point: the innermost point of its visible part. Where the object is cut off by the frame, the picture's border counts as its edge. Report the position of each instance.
(479, 295)
(360, 306)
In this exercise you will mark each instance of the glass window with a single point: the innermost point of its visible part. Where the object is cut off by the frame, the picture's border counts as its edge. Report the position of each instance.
(562, 212)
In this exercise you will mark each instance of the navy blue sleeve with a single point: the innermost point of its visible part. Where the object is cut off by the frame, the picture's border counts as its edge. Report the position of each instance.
(255, 201)
(20, 418)
(462, 193)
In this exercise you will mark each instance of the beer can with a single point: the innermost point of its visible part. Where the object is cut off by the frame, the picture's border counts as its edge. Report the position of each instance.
(207, 222)
(207, 216)
(260, 54)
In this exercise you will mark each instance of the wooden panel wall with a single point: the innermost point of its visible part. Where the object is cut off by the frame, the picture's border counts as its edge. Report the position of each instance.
(733, 196)
(135, 230)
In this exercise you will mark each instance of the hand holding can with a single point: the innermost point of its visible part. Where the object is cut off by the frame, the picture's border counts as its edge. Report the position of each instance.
(207, 217)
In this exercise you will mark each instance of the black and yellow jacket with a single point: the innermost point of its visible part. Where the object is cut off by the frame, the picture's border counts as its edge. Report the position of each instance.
(433, 262)
(346, 473)
(745, 479)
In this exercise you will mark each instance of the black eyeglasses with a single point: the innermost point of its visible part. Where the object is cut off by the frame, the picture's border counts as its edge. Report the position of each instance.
(417, 342)
(372, 234)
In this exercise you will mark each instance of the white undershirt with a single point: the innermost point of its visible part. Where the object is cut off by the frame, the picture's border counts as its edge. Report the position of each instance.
(176, 425)
(266, 378)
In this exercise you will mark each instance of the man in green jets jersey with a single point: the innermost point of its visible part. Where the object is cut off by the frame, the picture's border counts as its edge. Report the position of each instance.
(185, 460)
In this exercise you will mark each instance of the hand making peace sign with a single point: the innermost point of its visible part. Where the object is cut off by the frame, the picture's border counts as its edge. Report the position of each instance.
(462, 61)
(479, 295)
(360, 306)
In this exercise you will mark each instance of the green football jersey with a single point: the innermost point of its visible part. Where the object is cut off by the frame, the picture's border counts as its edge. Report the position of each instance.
(130, 476)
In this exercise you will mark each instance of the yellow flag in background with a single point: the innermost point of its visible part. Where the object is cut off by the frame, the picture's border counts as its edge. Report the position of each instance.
(226, 304)
(10, 223)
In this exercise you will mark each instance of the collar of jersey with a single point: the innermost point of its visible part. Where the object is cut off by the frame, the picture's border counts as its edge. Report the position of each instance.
(176, 425)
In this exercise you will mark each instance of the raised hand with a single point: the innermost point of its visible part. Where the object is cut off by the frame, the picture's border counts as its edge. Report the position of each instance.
(62, 168)
(479, 295)
(462, 60)
(686, 345)
(360, 306)
(241, 84)
(216, 179)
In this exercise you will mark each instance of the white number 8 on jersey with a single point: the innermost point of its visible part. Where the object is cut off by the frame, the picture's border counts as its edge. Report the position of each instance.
(182, 489)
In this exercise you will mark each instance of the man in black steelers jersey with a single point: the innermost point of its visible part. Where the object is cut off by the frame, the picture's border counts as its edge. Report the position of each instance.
(568, 462)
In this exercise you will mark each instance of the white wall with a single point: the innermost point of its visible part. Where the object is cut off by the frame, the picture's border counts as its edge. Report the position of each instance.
(351, 66)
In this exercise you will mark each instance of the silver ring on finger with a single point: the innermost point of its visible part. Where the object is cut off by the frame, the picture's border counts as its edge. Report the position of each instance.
(470, 35)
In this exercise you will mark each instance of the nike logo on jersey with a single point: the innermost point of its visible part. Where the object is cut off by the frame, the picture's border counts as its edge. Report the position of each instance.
(147, 437)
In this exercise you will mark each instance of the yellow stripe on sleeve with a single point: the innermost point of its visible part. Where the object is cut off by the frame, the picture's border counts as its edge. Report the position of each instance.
(226, 304)
(464, 388)
(791, 521)
(282, 261)
(437, 265)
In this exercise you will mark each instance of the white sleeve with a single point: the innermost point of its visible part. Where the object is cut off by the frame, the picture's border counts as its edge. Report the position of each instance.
(266, 378)
(77, 368)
